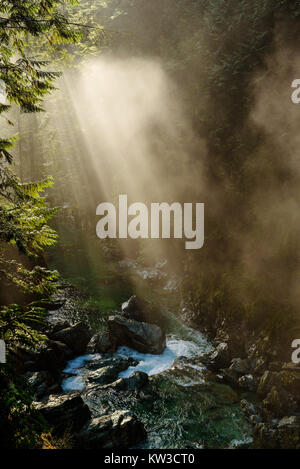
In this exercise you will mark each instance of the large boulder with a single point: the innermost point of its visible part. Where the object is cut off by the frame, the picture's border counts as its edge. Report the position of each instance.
(121, 429)
(65, 412)
(109, 372)
(141, 336)
(139, 309)
(101, 343)
(75, 337)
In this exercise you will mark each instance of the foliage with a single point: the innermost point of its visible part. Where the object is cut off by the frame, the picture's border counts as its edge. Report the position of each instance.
(21, 425)
(24, 212)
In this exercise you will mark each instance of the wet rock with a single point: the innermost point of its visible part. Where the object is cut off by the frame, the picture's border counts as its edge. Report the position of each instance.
(51, 355)
(65, 412)
(141, 336)
(101, 343)
(248, 382)
(75, 337)
(241, 366)
(135, 382)
(220, 357)
(109, 373)
(118, 385)
(121, 429)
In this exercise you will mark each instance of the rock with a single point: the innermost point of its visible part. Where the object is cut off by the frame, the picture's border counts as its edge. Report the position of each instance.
(241, 366)
(65, 412)
(58, 326)
(140, 310)
(51, 355)
(141, 336)
(132, 308)
(135, 382)
(287, 380)
(40, 382)
(100, 343)
(220, 357)
(289, 432)
(118, 385)
(75, 337)
(248, 382)
(109, 373)
(121, 429)
(279, 402)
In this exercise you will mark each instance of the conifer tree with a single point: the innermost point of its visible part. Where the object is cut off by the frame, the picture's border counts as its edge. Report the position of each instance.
(24, 212)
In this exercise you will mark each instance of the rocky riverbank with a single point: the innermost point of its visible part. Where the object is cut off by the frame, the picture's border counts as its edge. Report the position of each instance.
(257, 363)
(92, 386)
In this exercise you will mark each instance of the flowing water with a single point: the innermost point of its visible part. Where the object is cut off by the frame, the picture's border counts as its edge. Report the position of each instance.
(185, 405)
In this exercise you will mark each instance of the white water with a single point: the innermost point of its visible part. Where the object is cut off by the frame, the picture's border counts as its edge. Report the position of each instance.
(154, 364)
(188, 343)
(75, 367)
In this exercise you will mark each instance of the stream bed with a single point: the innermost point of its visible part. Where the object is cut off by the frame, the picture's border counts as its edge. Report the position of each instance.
(184, 405)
